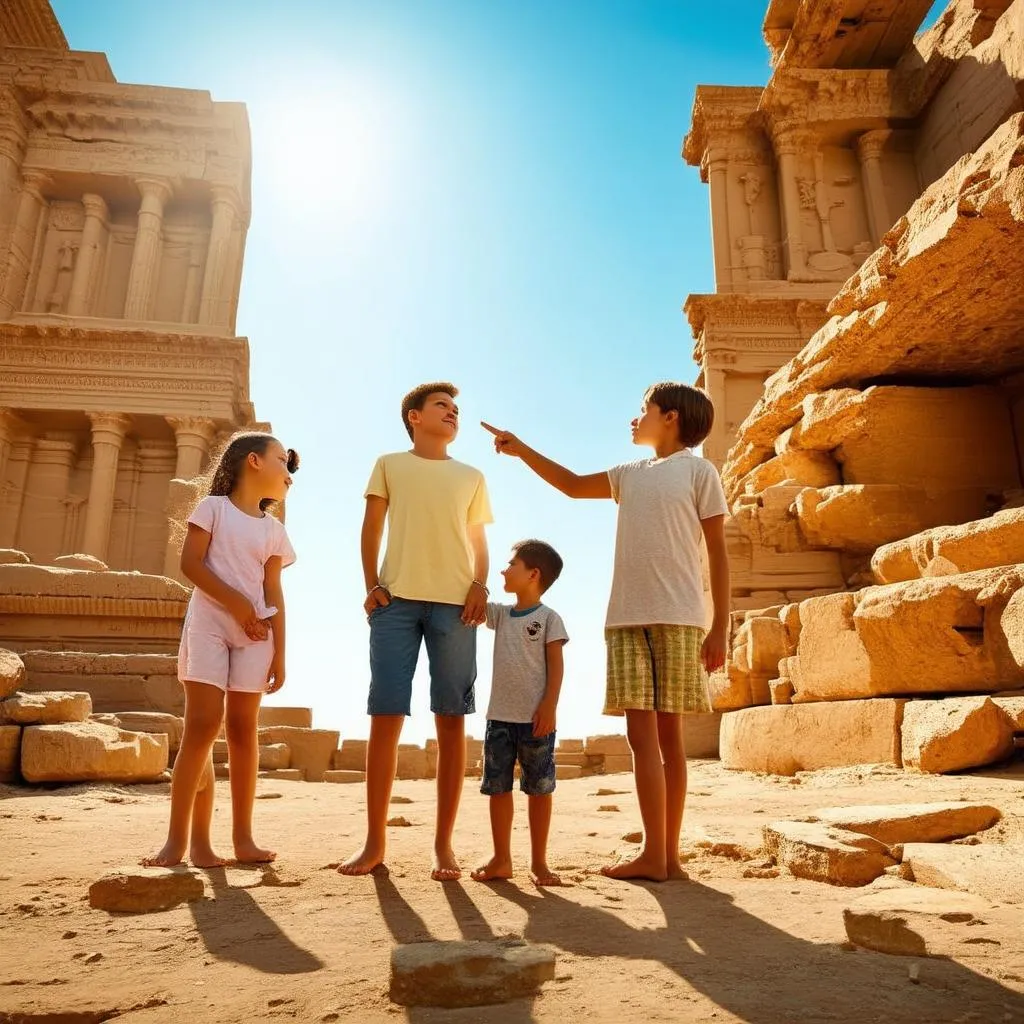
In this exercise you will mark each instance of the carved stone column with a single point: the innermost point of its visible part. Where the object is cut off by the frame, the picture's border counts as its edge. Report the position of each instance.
(10, 426)
(721, 241)
(146, 255)
(44, 515)
(717, 445)
(788, 144)
(12, 489)
(193, 435)
(23, 239)
(108, 431)
(92, 239)
(215, 305)
(869, 150)
(12, 152)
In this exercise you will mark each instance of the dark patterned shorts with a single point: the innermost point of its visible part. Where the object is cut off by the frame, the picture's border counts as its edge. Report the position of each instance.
(508, 742)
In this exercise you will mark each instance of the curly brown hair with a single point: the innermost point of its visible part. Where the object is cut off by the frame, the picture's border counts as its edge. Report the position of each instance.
(417, 398)
(232, 458)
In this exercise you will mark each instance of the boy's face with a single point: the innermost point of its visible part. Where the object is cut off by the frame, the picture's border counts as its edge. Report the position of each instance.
(653, 426)
(439, 416)
(518, 576)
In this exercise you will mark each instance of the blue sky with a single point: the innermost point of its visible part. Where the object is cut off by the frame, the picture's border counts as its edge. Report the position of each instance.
(487, 192)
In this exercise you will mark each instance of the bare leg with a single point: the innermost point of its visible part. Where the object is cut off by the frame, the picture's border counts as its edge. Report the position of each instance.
(200, 849)
(642, 730)
(242, 730)
(673, 750)
(540, 826)
(502, 811)
(204, 711)
(451, 772)
(381, 765)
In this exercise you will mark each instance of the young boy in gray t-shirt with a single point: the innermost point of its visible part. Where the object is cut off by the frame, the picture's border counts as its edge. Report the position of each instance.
(527, 678)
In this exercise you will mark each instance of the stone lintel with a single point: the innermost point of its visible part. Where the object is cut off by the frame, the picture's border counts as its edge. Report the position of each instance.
(719, 109)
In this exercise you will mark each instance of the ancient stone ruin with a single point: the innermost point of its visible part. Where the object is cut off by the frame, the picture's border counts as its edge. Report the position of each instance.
(864, 348)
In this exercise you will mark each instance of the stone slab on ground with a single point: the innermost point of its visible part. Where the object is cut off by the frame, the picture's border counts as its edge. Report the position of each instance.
(568, 771)
(615, 744)
(957, 733)
(157, 722)
(912, 823)
(343, 776)
(45, 708)
(299, 718)
(139, 890)
(91, 752)
(10, 753)
(783, 739)
(275, 756)
(918, 921)
(312, 749)
(824, 854)
(350, 757)
(12, 673)
(987, 870)
(282, 774)
(615, 764)
(453, 974)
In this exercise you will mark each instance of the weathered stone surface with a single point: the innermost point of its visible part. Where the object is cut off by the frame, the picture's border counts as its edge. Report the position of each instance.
(453, 974)
(568, 771)
(412, 762)
(912, 823)
(569, 746)
(918, 921)
(9, 556)
(311, 749)
(351, 757)
(10, 752)
(80, 561)
(954, 734)
(135, 890)
(274, 756)
(89, 751)
(172, 726)
(298, 718)
(825, 854)
(615, 764)
(45, 708)
(987, 870)
(1013, 707)
(785, 739)
(985, 543)
(281, 774)
(344, 776)
(615, 744)
(701, 735)
(12, 673)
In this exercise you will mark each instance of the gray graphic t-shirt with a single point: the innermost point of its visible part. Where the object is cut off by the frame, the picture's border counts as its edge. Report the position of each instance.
(520, 659)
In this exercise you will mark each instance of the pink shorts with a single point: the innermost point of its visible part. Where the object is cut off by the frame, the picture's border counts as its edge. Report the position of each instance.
(214, 649)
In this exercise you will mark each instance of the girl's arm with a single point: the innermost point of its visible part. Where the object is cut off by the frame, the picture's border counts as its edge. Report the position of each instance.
(195, 569)
(274, 596)
(717, 641)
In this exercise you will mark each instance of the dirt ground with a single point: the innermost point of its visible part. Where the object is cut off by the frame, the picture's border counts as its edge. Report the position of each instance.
(303, 943)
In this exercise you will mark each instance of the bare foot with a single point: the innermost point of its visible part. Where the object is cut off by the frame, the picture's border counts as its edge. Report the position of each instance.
(494, 869)
(676, 872)
(639, 867)
(204, 857)
(165, 858)
(541, 874)
(363, 862)
(446, 867)
(250, 853)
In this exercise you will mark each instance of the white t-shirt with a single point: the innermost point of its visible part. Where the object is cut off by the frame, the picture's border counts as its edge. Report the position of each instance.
(657, 577)
(520, 659)
(240, 547)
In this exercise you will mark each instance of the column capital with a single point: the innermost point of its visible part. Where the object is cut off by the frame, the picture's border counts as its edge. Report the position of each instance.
(790, 138)
(11, 424)
(95, 206)
(154, 190)
(192, 426)
(226, 195)
(35, 183)
(110, 427)
(871, 144)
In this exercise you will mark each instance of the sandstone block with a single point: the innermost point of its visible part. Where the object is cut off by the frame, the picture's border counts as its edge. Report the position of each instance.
(274, 756)
(785, 739)
(452, 974)
(615, 764)
(615, 744)
(701, 735)
(987, 870)
(86, 562)
(12, 673)
(172, 726)
(312, 749)
(568, 771)
(135, 890)
(579, 760)
(1013, 707)
(570, 747)
(474, 749)
(9, 556)
(957, 733)
(282, 774)
(45, 708)
(345, 776)
(298, 718)
(825, 854)
(88, 752)
(782, 691)
(10, 752)
(412, 762)
(351, 756)
(793, 467)
(220, 751)
(912, 823)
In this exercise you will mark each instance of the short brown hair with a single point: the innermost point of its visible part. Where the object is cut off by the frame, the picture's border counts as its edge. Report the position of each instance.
(417, 398)
(536, 554)
(696, 413)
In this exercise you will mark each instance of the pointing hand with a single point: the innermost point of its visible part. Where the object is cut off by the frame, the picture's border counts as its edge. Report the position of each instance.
(505, 442)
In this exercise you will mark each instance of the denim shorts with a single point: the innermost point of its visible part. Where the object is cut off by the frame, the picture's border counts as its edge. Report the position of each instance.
(396, 631)
(508, 742)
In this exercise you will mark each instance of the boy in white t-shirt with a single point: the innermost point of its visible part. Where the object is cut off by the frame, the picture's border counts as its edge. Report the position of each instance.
(527, 679)
(657, 648)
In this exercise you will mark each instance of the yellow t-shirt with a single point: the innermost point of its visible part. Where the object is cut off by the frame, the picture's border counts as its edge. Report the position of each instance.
(431, 505)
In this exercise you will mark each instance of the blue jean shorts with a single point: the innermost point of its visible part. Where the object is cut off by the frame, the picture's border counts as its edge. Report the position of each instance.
(508, 742)
(396, 631)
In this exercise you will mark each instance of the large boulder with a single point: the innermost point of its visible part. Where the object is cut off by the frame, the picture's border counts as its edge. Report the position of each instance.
(987, 870)
(824, 854)
(135, 890)
(91, 752)
(912, 823)
(954, 734)
(10, 752)
(45, 708)
(12, 673)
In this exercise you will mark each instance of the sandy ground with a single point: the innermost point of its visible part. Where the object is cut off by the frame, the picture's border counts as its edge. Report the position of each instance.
(307, 944)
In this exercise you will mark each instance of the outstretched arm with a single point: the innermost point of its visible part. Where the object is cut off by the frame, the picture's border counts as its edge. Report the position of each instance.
(593, 485)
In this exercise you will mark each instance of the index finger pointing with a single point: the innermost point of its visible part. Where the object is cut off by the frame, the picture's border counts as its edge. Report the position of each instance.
(494, 430)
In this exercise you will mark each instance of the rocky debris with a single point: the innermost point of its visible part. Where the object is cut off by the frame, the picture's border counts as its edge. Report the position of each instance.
(80, 561)
(987, 870)
(453, 974)
(312, 750)
(12, 673)
(608, 808)
(397, 799)
(954, 734)
(783, 739)
(90, 751)
(45, 708)
(399, 822)
(10, 753)
(633, 837)
(297, 718)
(139, 890)
(343, 776)
(912, 823)
(916, 921)
(825, 854)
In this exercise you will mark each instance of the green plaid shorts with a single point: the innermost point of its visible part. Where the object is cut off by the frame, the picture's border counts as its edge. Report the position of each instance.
(655, 668)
